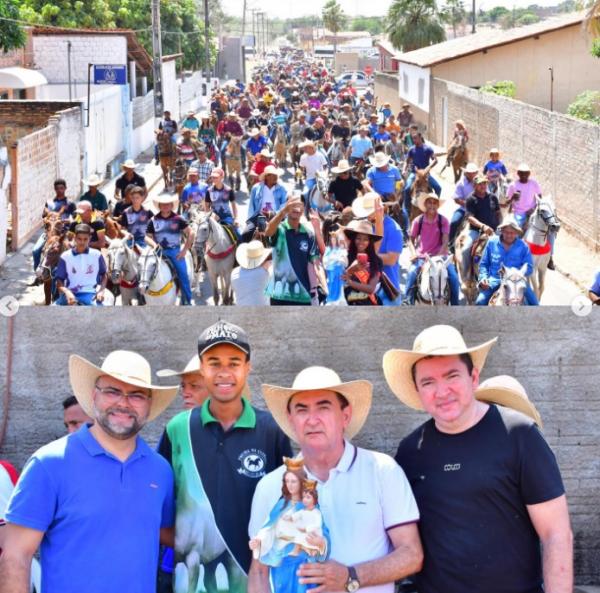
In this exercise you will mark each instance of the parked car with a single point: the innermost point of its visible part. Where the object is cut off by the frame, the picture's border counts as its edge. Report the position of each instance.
(358, 79)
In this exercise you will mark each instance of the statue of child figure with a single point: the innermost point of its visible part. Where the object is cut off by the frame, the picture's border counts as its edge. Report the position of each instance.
(294, 532)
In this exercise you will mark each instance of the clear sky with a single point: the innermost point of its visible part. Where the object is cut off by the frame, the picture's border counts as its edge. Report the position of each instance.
(295, 8)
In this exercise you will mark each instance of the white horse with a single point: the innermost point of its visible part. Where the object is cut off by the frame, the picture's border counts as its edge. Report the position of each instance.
(336, 152)
(123, 269)
(219, 254)
(511, 292)
(432, 283)
(317, 196)
(157, 283)
(542, 223)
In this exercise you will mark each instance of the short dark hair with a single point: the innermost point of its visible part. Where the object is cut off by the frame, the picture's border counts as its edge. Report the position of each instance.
(60, 182)
(69, 401)
(83, 229)
(344, 403)
(465, 358)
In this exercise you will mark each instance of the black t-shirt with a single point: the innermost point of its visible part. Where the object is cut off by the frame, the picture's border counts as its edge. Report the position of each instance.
(95, 225)
(485, 210)
(472, 490)
(338, 131)
(345, 190)
(123, 182)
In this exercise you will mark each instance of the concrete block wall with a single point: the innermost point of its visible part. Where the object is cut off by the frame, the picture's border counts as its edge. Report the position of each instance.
(563, 152)
(50, 54)
(551, 351)
(14, 57)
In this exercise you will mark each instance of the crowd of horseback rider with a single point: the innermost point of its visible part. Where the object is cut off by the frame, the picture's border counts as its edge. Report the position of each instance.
(356, 166)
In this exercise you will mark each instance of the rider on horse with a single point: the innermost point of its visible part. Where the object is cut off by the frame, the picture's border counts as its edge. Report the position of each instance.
(464, 188)
(134, 220)
(220, 199)
(382, 177)
(507, 250)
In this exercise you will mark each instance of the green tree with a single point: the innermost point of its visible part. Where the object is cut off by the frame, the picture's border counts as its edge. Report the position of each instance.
(335, 20)
(496, 13)
(412, 24)
(586, 106)
(454, 14)
(592, 18)
(504, 88)
(12, 35)
(527, 18)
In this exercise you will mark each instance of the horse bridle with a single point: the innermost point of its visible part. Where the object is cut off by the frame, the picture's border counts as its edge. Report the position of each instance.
(544, 232)
(513, 280)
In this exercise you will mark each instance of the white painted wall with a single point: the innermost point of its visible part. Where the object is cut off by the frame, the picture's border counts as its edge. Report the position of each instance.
(414, 85)
(5, 177)
(171, 89)
(70, 147)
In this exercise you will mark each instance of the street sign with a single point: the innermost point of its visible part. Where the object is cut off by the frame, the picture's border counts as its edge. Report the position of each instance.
(110, 74)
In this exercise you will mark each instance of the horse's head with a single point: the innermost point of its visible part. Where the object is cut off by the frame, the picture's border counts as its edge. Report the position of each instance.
(201, 222)
(547, 212)
(323, 180)
(513, 285)
(435, 282)
(148, 264)
(55, 245)
(116, 255)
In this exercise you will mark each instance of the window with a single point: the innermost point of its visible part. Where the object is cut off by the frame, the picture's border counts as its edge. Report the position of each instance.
(405, 83)
(421, 91)
(3, 96)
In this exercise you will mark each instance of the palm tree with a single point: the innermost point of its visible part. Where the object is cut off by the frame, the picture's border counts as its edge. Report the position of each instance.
(592, 19)
(335, 20)
(412, 24)
(453, 13)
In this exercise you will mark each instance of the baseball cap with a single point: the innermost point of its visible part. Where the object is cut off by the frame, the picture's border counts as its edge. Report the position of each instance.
(223, 332)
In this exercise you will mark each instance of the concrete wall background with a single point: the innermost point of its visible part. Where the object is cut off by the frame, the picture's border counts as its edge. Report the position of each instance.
(551, 351)
(70, 148)
(387, 89)
(563, 152)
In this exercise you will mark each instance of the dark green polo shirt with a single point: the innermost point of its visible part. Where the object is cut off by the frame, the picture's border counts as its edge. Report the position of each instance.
(98, 201)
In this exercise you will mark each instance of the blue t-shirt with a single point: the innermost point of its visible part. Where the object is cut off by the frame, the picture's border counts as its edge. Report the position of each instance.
(391, 242)
(359, 146)
(194, 193)
(381, 136)
(101, 516)
(595, 287)
(495, 166)
(384, 182)
(421, 156)
(255, 145)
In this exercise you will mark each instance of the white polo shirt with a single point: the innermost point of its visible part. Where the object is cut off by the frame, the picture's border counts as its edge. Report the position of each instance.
(366, 494)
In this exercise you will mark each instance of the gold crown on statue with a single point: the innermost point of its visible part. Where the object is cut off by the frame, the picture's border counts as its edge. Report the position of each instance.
(293, 464)
(309, 484)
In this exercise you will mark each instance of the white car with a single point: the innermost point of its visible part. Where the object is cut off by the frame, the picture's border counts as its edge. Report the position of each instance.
(357, 78)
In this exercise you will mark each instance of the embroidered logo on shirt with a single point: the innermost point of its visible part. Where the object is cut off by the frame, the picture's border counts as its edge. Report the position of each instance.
(90, 269)
(303, 246)
(452, 467)
(252, 463)
(153, 485)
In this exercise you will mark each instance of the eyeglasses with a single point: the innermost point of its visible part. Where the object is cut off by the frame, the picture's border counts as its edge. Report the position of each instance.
(112, 395)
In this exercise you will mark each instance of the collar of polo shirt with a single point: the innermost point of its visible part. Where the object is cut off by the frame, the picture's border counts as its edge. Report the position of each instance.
(247, 418)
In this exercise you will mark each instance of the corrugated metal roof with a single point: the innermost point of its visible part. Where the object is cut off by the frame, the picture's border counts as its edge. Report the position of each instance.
(469, 44)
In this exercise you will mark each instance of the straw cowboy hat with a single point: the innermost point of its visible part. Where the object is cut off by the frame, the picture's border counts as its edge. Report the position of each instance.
(165, 199)
(270, 170)
(364, 206)
(379, 159)
(129, 164)
(506, 391)
(423, 197)
(471, 168)
(342, 167)
(358, 393)
(124, 365)
(511, 221)
(193, 366)
(251, 255)
(362, 227)
(437, 340)
(306, 144)
(93, 180)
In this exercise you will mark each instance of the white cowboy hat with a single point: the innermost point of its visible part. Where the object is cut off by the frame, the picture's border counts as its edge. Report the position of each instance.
(193, 366)
(251, 255)
(437, 340)
(506, 391)
(254, 132)
(166, 199)
(358, 393)
(129, 164)
(364, 206)
(93, 180)
(423, 197)
(306, 143)
(342, 167)
(523, 168)
(265, 152)
(271, 170)
(124, 365)
(379, 159)
(494, 150)
(511, 221)
(471, 168)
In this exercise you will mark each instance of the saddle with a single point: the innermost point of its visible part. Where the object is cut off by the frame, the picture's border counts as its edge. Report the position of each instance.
(476, 251)
(174, 274)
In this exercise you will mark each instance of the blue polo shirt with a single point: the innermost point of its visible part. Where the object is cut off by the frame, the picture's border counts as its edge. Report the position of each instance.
(421, 156)
(255, 145)
(101, 517)
(384, 182)
(391, 242)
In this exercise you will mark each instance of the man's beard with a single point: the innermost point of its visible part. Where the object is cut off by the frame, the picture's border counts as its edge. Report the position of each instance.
(114, 430)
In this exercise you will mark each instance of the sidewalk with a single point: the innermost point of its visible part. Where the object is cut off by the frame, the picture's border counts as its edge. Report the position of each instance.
(16, 272)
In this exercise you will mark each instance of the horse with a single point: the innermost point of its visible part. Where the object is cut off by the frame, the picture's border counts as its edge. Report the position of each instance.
(457, 157)
(166, 155)
(420, 186)
(317, 196)
(432, 282)
(512, 287)
(280, 145)
(56, 244)
(337, 152)
(469, 281)
(541, 224)
(233, 161)
(219, 253)
(123, 269)
(156, 279)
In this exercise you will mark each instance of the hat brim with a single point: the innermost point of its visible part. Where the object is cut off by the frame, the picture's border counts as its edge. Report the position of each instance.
(351, 232)
(250, 263)
(512, 225)
(358, 393)
(397, 369)
(504, 396)
(337, 170)
(423, 197)
(83, 376)
(174, 202)
(132, 166)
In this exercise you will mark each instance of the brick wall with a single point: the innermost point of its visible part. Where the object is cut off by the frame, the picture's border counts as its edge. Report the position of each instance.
(14, 57)
(50, 54)
(19, 118)
(554, 354)
(563, 153)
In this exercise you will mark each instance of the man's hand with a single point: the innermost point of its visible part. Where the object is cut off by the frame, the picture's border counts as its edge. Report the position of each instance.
(484, 284)
(181, 254)
(292, 203)
(100, 296)
(329, 576)
(71, 300)
(488, 230)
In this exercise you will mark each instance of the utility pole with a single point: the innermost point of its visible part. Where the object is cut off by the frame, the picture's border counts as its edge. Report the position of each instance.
(157, 59)
(243, 22)
(474, 19)
(264, 36)
(207, 47)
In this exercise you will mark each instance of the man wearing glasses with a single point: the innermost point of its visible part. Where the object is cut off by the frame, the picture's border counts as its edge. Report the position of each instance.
(95, 501)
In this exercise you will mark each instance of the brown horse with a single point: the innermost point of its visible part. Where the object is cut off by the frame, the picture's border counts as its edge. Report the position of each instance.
(166, 153)
(233, 161)
(469, 278)
(56, 244)
(420, 185)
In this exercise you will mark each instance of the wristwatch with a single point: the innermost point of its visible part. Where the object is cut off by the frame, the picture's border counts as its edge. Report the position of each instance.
(352, 584)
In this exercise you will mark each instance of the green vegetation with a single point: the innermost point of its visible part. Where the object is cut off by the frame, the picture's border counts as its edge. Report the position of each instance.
(12, 35)
(504, 88)
(412, 24)
(586, 106)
